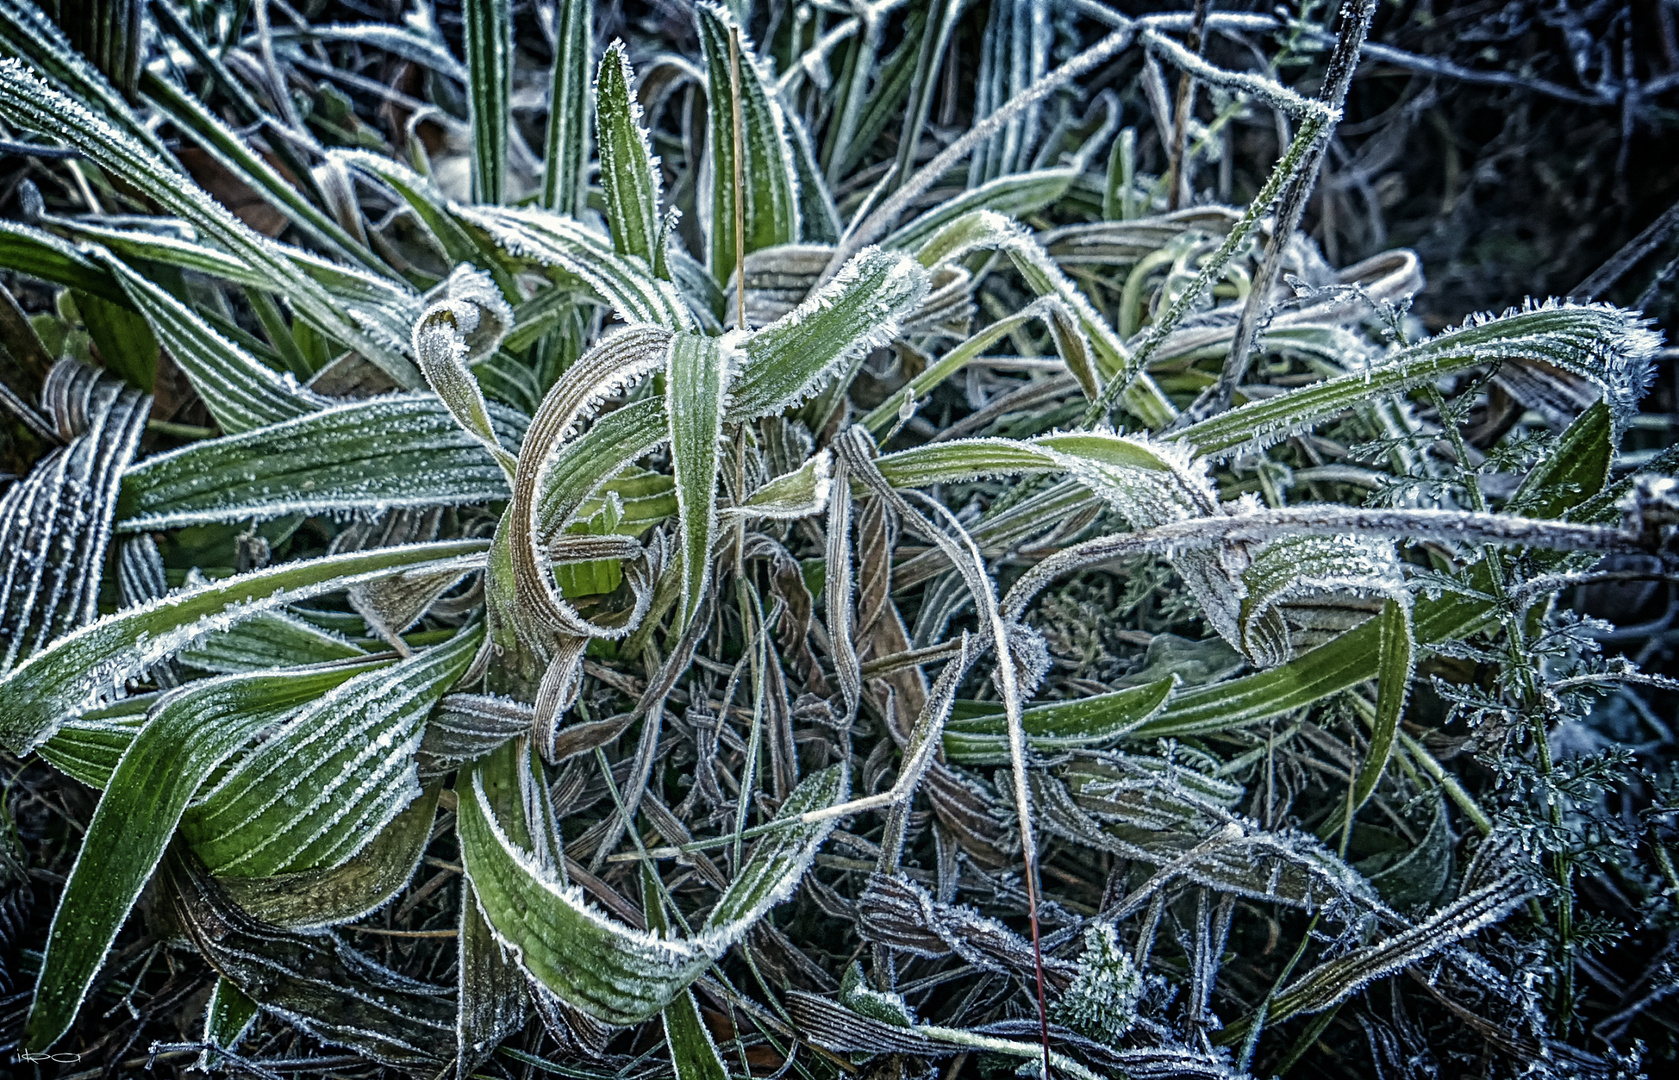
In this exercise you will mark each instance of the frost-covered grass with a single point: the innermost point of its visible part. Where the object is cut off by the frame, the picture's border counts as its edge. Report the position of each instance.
(805, 540)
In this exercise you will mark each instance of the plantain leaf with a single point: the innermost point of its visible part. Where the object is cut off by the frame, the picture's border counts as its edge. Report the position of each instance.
(273, 639)
(857, 311)
(55, 523)
(330, 778)
(564, 180)
(613, 972)
(187, 734)
(74, 672)
(494, 993)
(87, 748)
(313, 982)
(1087, 723)
(373, 301)
(547, 239)
(1147, 482)
(1611, 347)
(697, 376)
(629, 173)
(1393, 684)
(241, 392)
(29, 103)
(470, 321)
(800, 493)
(39, 254)
(769, 196)
(374, 455)
(312, 899)
(488, 42)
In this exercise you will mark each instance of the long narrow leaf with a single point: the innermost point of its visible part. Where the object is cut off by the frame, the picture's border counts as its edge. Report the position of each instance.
(769, 197)
(629, 173)
(72, 674)
(697, 376)
(568, 104)
(188, 733)
(332, 777)
(602, 967)
(488, 40)
(371, 455)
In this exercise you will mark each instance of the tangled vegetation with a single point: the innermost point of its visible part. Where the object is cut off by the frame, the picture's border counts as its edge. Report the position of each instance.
(804, 540)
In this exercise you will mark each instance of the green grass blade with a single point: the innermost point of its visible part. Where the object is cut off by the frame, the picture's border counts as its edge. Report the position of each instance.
(1016, 195)
(1087, 723)
(567, 157)
(488, 41)
(1393, 684)
(1607, 345)
(1579, 463)
(692, 1053)
(923, 79)
(779, 861)
(987, 230)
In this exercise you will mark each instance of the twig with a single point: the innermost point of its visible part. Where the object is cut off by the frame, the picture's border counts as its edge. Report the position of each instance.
(1355, 23)
(1176, 172)
(46, 153)
(1629, 256)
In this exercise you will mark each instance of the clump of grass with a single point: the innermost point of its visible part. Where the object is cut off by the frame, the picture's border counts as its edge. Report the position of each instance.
(756, 559)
